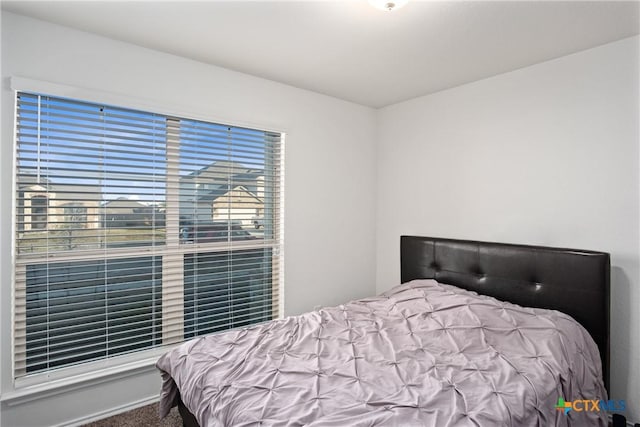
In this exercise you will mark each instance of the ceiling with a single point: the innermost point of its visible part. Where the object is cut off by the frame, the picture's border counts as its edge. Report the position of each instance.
(348, 49)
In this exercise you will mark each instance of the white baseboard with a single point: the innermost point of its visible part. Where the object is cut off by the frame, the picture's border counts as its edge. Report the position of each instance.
(111, 412)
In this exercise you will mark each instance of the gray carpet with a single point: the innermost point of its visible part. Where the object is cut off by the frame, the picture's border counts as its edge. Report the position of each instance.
(144, 416)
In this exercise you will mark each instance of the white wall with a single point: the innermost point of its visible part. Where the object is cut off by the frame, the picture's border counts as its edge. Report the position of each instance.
(330, 163)
(544, 155)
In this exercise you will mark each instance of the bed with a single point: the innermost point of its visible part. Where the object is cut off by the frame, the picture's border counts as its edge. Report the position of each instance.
(477, 334)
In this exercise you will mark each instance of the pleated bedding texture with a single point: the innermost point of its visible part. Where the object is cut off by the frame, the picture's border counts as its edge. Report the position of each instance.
(421, 354)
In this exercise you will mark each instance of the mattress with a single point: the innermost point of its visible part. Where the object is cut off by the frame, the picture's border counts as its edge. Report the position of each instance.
(421, 354)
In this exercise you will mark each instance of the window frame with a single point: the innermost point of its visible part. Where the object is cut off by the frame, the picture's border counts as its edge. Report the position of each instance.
(144, 358)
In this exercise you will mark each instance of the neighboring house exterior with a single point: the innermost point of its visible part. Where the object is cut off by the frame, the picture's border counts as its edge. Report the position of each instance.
(238, 205)
(209, 195)
(44, 206)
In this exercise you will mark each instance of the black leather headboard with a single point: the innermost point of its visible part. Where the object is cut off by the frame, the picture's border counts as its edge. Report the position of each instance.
(573, 281)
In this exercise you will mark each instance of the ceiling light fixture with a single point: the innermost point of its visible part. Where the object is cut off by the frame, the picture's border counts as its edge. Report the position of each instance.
(388, 5)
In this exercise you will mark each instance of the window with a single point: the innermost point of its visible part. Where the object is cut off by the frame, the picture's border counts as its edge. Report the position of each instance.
(137, 230)
(39, 209)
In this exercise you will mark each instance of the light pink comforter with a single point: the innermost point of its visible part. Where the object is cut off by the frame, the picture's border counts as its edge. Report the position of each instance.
(422, 354)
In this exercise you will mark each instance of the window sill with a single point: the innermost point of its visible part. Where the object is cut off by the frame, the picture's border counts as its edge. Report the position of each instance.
(24, 393)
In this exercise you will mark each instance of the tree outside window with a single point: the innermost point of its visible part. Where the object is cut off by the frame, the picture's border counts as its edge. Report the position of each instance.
(75, 215)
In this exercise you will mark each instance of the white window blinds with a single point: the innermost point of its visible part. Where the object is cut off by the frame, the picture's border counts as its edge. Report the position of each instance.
(136, 230)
